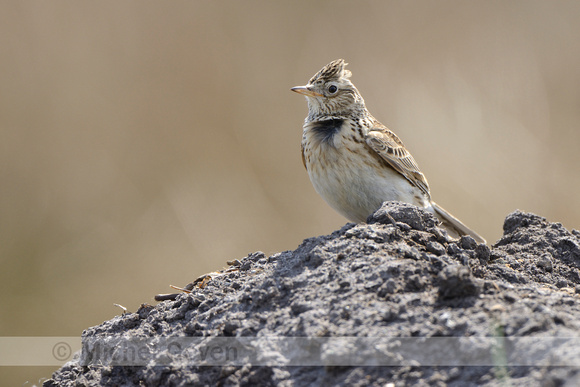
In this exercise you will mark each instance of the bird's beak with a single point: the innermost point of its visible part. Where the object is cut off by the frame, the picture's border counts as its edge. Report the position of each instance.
(305, 90)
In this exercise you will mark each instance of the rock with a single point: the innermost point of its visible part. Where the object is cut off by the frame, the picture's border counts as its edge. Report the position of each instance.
(457, 281)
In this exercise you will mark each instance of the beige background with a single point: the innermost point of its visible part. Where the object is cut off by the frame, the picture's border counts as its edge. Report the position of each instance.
(145, 143)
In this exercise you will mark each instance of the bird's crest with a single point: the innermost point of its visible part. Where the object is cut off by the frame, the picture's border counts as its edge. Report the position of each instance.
(333, 71)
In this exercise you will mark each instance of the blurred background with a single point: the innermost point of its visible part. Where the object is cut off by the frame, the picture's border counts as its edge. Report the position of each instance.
(145, 143)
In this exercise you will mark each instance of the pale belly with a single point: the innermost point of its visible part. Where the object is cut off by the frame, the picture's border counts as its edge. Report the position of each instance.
(355, 185)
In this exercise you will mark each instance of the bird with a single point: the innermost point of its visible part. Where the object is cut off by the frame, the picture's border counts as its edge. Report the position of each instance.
(355, 162)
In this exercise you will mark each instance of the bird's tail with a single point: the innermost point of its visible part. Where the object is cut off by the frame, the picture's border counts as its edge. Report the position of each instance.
(455, 227)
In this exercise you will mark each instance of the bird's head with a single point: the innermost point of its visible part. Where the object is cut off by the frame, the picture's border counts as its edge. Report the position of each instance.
(330, 93)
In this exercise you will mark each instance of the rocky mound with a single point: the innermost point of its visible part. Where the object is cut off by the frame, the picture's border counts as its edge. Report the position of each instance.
(398, 277)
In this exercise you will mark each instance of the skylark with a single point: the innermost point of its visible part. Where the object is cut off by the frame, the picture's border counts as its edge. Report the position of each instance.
(354, 162)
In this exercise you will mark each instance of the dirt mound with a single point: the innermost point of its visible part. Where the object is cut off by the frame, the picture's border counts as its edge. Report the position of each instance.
(399, 276)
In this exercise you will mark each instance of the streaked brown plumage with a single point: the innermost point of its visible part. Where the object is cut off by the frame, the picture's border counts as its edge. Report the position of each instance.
(354, 162)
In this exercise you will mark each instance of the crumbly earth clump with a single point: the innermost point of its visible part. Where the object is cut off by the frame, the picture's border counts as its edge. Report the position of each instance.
(398, 276)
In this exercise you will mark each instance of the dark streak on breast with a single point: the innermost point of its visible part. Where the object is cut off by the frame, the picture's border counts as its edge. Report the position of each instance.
(325, 130)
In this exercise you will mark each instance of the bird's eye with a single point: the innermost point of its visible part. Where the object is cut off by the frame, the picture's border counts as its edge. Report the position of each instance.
(332, 89)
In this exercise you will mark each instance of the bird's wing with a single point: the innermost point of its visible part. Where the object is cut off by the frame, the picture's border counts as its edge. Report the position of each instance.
(391, 149)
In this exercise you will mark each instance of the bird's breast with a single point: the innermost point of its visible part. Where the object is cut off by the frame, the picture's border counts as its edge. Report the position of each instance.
(347, 173)
(324, 132)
